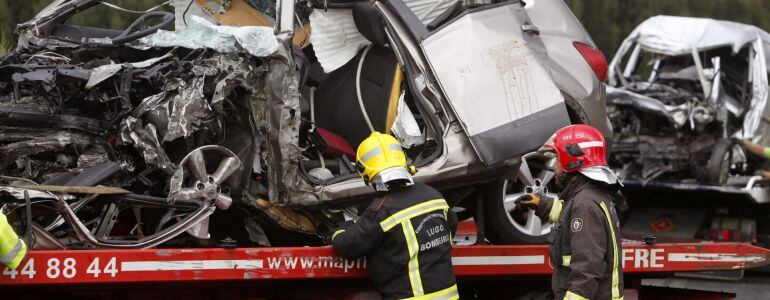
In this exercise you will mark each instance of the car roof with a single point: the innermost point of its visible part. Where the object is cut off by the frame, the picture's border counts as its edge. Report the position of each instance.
(673, 35)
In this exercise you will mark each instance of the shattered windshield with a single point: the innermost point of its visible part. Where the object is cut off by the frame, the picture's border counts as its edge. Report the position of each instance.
(643, 69)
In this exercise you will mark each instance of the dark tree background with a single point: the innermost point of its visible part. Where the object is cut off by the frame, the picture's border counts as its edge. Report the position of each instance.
(608, 21)
(13, 12)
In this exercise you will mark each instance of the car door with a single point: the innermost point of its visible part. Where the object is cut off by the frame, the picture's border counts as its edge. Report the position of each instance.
(493, 69)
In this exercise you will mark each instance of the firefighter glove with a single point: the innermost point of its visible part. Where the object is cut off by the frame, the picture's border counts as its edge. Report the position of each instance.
(339, 229)
(530, 201)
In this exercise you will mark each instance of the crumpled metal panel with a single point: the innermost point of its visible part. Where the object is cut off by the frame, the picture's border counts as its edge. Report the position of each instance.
(145, 139)
(283, 122)
(178, 111)
(646, 104)
(45, 142)
(182, 108)
(239, 73)
(101, 73)
(188, 111)
(143, 109)
(754, 126)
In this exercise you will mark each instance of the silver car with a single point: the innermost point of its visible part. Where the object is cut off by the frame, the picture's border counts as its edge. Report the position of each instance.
(678, 97)
(190, 122)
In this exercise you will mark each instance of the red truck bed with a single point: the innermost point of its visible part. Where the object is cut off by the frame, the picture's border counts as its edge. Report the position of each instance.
(281, 263)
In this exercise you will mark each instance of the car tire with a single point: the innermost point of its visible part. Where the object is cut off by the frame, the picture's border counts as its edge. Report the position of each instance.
(500, 227)
(718, 166)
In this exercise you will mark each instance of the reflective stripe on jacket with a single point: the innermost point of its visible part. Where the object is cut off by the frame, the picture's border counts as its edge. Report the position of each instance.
(406, 237)
(585, 244)
(12, 248)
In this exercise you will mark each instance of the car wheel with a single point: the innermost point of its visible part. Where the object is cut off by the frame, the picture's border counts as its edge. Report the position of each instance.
(724, 154)
(504, 226)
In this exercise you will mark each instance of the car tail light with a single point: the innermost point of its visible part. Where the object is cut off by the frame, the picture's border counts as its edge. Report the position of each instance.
(594, 58)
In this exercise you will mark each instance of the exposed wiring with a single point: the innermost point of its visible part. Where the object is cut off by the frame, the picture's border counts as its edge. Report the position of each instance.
(312, 105)
(302, 28)
(312, 122)
(134, 11)
(49, 55)
(184, 14)
(358, 88)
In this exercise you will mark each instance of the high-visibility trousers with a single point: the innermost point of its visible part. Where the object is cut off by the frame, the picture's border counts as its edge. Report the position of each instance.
(12, 248)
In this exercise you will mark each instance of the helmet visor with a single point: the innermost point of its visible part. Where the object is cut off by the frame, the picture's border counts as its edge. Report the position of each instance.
(601, 173)
(392, 174)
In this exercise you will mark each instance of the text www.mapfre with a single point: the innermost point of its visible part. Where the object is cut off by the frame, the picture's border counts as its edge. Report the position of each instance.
(315, 262)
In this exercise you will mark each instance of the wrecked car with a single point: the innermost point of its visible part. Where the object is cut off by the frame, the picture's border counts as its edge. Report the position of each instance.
(213, 134)
(680, 89)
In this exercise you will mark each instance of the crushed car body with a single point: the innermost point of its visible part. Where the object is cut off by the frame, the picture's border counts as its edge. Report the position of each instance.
(172, 117)
(681, 90)
(213, 134)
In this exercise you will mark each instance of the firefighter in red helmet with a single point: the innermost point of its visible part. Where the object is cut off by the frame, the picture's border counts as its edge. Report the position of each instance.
(585, 246)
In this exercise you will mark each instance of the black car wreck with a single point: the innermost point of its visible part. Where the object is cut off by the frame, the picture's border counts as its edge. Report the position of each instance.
(213, 134)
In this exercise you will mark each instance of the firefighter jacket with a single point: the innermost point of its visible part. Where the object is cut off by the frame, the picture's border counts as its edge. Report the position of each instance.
(406, 236)
(585, 244)
(12, 248)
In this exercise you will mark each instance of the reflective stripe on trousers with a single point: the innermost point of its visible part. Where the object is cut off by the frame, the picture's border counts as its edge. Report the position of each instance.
(615, 275)
(449, 293)
(572, 296)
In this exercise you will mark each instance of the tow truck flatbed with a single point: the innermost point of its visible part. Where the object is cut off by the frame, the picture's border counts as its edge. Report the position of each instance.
(68, 267)
(750, 187)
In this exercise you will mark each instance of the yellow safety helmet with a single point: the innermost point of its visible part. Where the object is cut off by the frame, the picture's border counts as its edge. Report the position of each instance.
(380, 160)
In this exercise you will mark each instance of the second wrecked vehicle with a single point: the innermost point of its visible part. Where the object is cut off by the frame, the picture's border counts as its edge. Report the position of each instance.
(133, 137)
(683, 92)
(682, 88)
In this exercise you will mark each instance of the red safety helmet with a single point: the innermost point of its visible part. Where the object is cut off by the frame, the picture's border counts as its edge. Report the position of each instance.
(578, 147)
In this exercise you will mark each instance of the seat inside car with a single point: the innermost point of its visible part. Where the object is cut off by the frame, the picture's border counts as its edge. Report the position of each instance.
(336, 101)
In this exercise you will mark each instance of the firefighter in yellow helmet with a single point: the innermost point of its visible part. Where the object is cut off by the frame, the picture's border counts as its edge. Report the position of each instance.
(406, 233)
(12, 248)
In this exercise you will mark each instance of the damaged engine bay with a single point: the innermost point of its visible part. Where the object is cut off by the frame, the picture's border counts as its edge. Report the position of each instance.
(112, 146)
(678, 113)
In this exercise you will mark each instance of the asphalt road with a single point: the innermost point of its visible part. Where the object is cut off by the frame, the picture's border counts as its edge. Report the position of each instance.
(752, 286)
